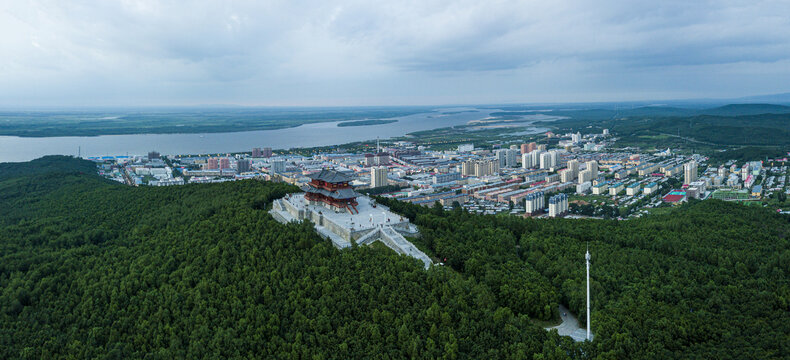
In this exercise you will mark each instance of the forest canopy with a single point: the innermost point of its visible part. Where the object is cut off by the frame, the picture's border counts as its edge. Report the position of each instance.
(92, 268)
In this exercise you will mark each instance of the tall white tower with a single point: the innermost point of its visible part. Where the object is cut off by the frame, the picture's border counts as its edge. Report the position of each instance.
(587, 257)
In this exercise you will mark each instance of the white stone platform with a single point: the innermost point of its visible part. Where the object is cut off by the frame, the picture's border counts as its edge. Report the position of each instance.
(570, 326)
(374, 222)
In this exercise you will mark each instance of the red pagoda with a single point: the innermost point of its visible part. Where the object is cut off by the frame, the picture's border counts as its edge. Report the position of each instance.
(331, 189)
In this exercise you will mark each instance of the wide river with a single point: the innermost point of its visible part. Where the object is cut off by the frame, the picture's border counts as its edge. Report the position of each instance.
(13, 148)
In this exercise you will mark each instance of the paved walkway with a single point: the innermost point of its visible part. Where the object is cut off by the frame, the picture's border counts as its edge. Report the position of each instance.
(569, 326)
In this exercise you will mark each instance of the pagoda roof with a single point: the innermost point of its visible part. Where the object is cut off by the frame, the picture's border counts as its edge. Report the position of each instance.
(345, 193)
(330, 176)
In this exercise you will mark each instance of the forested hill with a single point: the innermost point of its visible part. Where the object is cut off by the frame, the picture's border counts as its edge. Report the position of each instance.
(91, 268)
(746, 109)
(47, 165)
(734, 124)
(710, 280)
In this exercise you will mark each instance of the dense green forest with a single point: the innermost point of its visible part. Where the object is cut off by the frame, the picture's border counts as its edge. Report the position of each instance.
(90, 268)
(709, 280)
(764, 129)
(747, 153)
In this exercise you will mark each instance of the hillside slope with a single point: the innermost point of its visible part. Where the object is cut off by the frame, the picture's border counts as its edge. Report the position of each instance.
(90, 268)
(710, 280)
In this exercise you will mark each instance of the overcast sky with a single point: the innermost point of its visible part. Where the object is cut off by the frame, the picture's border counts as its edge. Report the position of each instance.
(367, 52)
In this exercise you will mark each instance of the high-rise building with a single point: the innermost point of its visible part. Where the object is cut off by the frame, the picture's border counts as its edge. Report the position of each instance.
(534, 202)
(212, 164)
(576, 138)
(573, 165)
(243, 165)
(267, 152)
(381, 158)
(558, 205)
(532, 147)
(224, 163)
(526, 161)
(524, 149)
(548, 160)
(566, 175)
(370, 160)
(482, 168)
(493, 167)
(507, 157)
(690, 172)
(378, 176)
(468, 168)
(535, 156)
(256, 153)
(605, 132)
(278, 166)
(501, 156)
(486, 167)
(154, 155)
(512, 158)
(585, 176)
(593, 166)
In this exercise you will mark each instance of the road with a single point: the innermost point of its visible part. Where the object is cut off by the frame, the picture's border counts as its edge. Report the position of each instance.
(569, 326)
(691, 139)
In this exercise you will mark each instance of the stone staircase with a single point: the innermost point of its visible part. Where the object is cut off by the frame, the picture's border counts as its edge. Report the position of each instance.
(395, 241)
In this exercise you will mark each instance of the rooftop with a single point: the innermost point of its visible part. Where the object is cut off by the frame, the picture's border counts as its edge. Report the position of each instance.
(345, 193)
(330, 176)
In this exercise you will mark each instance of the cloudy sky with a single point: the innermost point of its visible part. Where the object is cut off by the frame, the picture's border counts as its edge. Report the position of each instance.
(364, 52)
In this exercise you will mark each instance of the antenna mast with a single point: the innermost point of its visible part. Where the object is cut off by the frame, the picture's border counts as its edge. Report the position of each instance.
(587, 258)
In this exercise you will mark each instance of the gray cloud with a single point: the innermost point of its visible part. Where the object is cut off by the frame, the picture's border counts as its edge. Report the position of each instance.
(363, 52)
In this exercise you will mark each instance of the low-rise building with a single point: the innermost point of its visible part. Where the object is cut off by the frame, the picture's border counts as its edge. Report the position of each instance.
(616, 188)
(600, 189)
(584, 187)
(650, 188)
(757, 191)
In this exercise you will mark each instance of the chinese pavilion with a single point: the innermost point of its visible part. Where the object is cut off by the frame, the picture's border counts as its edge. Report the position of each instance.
(331, 189)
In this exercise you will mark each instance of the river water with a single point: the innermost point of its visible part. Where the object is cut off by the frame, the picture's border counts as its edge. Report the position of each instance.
(13, 148)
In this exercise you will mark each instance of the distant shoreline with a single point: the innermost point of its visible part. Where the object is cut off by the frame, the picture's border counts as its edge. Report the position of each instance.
(45, 124)
(366, 122)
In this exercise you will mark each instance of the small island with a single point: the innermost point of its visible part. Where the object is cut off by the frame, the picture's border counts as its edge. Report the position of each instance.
(366, 122)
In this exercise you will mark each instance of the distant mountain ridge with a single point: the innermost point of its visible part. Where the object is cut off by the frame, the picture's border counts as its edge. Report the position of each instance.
(658, 111)
(725, 110)
(746, 109)
(783, 98)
